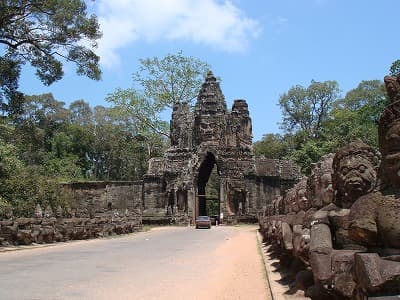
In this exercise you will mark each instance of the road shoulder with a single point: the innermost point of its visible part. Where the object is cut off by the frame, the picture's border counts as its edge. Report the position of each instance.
(279, 291)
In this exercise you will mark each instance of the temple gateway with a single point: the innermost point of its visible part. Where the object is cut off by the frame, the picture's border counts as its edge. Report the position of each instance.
(207, 137)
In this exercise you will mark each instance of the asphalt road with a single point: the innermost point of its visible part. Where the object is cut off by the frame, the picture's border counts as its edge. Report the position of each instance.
(166, 263)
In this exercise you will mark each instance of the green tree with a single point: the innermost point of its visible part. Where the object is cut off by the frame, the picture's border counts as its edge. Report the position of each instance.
(43, 34)
(312, 132)
(271, 146)
(158, 85)
(306, 109)
(10, 164)
(119, 152)
(170, 80)
(80, 113)
(10, 99)
(356, 116)
(306, 152)
(75, 141)
(144, 112)
(368, 94)
(42, 117)
(395, 68)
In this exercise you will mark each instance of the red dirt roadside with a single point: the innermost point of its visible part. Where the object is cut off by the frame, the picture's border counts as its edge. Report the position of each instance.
(240, 273)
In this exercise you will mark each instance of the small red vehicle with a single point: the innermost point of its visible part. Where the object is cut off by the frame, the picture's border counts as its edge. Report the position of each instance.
(203, 222)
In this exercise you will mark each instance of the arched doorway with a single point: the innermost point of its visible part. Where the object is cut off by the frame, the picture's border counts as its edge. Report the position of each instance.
(208, 202)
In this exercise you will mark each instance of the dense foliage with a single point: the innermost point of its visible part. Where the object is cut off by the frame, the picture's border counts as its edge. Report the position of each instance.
(158, 85)
(44, 34)
(49, 143)
(317, 121)
(395, 68)
(43, 142)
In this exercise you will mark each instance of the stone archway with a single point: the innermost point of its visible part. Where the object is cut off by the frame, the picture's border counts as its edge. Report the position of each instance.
(202, 137)
(205, 169)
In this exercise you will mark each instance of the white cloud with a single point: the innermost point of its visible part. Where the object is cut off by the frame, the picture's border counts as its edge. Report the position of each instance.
(219, 24)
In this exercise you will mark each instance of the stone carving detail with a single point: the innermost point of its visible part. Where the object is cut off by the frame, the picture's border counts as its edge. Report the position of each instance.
(48, 212)
(354, 175)
(355, 169)
(59, 212)
(353, 223)
(38, 211)
(375, 218)
(212, 136)
(288, 221)
(181, 134)
(79, 222)
(319, 187)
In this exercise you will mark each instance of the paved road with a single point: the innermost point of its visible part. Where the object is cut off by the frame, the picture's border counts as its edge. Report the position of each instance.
(165, 263)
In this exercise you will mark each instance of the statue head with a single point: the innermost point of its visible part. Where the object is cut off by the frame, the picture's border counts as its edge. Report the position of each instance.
(301, 194)
(319, 185)
(289, 201)
(392, 85)
(389, 134)
(295, 199)
(355, 168)
(278, 205)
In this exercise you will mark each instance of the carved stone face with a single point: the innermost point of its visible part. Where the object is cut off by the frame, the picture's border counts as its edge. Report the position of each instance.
(392, 155)
(302, 200)
(356, 177)
(325, 190)
(209, 130)
(305, 246)
(392, 86)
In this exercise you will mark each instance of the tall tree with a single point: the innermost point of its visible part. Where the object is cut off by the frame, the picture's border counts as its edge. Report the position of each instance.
(80, 112)
(306, 109)
(271, 146)
(118, 153)
(316, 127)
(172, 79)
(43, 34)
(143, 112)
(10, 99)
(158, 85)
(356, 116)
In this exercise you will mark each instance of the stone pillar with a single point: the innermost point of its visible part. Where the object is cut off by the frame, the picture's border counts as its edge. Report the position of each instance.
(223, 198)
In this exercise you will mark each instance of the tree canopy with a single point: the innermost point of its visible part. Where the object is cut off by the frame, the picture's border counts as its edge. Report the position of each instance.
(157, 85)
(317, 121)
(307, 108)
(50, 143)
(395, 68)
(272, 145)
(172, 79)
(43, 34)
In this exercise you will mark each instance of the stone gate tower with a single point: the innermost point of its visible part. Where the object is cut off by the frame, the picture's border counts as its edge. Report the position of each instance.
(212, 136)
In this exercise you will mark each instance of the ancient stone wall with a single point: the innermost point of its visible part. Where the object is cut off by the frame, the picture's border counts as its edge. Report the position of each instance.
(94, 209)
(337, 232)
(90, 198)
(212, 136)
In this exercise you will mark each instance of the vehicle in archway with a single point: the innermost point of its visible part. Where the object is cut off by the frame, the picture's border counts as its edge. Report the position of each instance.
(203, 222)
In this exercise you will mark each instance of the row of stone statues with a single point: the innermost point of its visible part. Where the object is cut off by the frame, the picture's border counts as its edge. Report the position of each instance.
(339, 228)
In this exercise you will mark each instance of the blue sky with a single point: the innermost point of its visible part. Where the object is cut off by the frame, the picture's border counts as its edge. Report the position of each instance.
(259, 48)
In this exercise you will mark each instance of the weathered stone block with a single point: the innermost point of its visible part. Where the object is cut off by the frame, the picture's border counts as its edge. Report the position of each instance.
(376, 275)
(25, 237)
